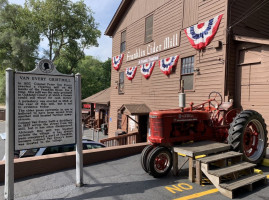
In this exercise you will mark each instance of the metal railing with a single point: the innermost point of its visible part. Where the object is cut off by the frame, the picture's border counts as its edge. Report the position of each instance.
(130, 138)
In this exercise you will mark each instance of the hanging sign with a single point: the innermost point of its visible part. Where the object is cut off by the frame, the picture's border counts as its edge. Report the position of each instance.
(146, 69)
(130, 72)
(116, 61)
(167, 64)
(200, 35)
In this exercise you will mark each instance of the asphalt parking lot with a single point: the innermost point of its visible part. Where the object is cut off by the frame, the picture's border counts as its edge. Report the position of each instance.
(121, 179)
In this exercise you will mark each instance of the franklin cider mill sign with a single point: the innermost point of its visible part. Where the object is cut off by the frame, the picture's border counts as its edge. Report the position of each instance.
(163, 44)
(44, 108)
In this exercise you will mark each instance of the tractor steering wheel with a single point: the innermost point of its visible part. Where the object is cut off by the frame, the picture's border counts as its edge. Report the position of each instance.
(215, 97)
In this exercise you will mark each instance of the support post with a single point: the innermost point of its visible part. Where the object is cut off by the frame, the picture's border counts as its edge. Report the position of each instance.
(9, 145)
(79, 154)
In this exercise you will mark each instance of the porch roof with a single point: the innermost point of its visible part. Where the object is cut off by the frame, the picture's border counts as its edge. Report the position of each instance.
(134, 109)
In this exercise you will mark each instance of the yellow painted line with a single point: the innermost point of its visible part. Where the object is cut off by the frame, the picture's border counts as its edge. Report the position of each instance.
(196, 195)
(258, 171)
(200, 156)
(196, 157)
(265, 162)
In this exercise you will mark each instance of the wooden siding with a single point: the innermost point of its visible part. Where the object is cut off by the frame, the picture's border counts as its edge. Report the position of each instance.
(161, 91)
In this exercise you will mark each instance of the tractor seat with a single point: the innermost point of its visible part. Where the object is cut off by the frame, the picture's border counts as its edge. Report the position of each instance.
(225, 106)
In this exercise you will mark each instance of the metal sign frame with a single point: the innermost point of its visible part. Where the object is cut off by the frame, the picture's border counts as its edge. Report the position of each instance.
(45, 69)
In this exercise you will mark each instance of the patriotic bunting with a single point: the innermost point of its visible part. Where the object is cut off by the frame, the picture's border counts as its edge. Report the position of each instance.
(146, 69)
(167, 64)
(130, 72)
(200, 35)
(116, 61)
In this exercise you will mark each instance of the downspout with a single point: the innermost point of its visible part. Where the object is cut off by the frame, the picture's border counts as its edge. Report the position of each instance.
(226, 53)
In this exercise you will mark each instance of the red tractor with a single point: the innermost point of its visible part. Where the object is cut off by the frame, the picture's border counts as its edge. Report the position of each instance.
(212, 120)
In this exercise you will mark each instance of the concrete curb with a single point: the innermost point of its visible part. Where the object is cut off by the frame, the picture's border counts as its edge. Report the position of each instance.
(25, 167)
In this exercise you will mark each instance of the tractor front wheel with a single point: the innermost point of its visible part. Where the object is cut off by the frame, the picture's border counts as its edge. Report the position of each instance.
(159, 162)
(248, 135)
(144, 157)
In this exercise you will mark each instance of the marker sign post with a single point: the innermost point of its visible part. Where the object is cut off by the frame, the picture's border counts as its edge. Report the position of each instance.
(47, 109)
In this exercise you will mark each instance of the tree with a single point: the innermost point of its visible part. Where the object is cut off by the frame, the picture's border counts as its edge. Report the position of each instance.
(68, 26)
(95, 75)
(19, 38)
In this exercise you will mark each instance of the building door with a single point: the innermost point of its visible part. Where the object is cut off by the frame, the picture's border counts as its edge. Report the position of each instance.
(253, 82)
(143, 127)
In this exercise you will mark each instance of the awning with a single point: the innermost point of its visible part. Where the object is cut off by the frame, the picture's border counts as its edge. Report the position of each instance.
(134, 109)
(102, 97)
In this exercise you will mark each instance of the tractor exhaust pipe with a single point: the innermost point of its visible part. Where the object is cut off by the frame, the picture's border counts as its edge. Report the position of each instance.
(182, 97)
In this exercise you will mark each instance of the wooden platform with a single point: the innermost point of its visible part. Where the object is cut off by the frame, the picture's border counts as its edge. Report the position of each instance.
(200, 148)
(194, 149)
(224, 168)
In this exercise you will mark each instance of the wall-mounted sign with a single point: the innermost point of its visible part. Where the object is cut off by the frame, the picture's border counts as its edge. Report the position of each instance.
(87, 106)
(157, 46)
(148, 59)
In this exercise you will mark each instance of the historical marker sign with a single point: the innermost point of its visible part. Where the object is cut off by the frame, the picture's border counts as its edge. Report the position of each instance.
(44, 108)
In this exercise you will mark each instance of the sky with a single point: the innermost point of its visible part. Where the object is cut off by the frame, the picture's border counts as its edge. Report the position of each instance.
(103, 10)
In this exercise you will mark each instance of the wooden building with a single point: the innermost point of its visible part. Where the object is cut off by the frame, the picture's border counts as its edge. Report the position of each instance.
(99, 108)
(235, 62)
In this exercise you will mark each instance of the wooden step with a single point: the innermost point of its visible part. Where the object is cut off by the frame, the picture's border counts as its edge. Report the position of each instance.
(214, 158)
(228, 189)
(231, 169)
(200, 148)
(243, 181)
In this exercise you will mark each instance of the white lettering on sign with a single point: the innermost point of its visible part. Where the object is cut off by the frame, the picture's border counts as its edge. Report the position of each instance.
(149, 59)
(44, 111)
(154, 47)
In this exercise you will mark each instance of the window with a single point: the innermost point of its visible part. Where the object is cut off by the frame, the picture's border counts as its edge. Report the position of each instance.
(119, 120)
(121, 82)
(123, 41)
(187, 66)
(149, 29)
(190, 13)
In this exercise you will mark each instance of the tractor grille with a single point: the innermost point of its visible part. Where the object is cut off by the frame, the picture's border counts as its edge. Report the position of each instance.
(156, 127)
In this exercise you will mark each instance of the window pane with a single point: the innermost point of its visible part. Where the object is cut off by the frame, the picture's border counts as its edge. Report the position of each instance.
(123, 36)
(123, 41)
(187, 65)
(121, 82)
(188, 82)
(149, 29)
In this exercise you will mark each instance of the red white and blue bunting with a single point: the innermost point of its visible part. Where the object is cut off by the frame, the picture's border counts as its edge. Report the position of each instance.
(116, 61)
(146, 69)
(130, 72)
(167, 64)
(200, 35)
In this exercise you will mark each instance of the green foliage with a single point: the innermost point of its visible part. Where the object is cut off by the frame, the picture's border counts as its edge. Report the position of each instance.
(68, 26)
(18, 37)
(2, 86)
(95, 75)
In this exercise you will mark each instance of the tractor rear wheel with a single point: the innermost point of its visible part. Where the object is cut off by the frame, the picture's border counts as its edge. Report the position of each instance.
(159, 162)
(248, 135)
(144, 156)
